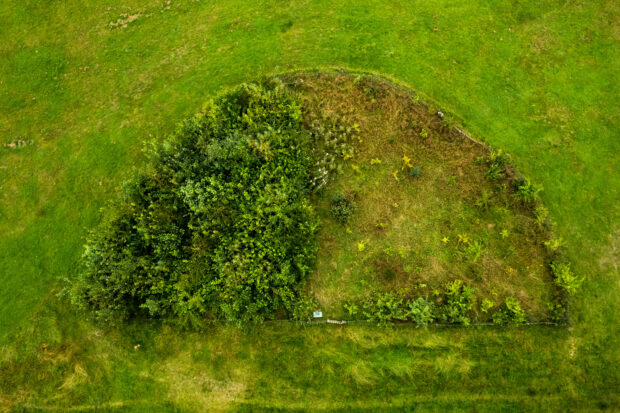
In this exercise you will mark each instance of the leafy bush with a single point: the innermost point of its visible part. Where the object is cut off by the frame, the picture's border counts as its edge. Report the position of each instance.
(558, 312)
(415, 172)
(217, 226)
(565, 278)
(496, 163)
(302, 308)
(342, 208)
(525, 190)
(458, 301)
(486, 305)
(421, 311)
(382, 308)
(509, 312)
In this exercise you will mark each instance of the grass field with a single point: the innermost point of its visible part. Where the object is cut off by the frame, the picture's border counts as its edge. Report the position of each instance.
(83, 85)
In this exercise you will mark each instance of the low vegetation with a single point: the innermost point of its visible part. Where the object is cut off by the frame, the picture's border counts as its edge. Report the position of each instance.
(417, 210)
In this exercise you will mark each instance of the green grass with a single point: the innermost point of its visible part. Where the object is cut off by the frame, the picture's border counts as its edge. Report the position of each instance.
(538, 79)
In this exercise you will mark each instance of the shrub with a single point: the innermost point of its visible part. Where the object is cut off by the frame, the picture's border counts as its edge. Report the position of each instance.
(496, 165)
(421, 311)
(558, 313)
(301, 309)
(218, 225)
(458, 301)
(565, 278)
(342, 208)
(525, 190)
(486, 305)
(382, 308)
(415, 172)
(509, 312)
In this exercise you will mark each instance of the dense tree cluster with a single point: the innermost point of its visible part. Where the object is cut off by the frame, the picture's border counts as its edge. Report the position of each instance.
(218, 225)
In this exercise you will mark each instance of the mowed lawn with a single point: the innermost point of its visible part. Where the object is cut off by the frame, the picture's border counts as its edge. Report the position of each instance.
(82, 86)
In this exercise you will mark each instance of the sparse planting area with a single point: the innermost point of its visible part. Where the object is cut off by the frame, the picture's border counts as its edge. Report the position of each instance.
(417, 206)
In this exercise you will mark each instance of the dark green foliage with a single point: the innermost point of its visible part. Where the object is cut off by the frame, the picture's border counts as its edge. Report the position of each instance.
(558, 313)
(415, 172)
(342, 208)
(458, 301)
(525, 190)
(218, 225)
(509, 312)
(496, 163)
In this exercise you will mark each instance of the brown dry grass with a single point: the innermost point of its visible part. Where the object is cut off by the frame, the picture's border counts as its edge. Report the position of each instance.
(402, 220)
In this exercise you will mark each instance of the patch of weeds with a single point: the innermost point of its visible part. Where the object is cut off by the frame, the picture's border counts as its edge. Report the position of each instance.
(421, 311)
(483, 201)
(496, 165)
(486, 305)
(352, 309)
(342, 208)
(554, 244)
(332, 140)
(509, 312)
(558, 312)
(541, 214)
(382, 308)
(471, 251)
(525, 190)
(458, 301)
(565, 278)
(302, 308)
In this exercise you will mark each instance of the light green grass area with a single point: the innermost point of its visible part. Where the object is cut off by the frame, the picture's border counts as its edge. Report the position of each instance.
(539, 79)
